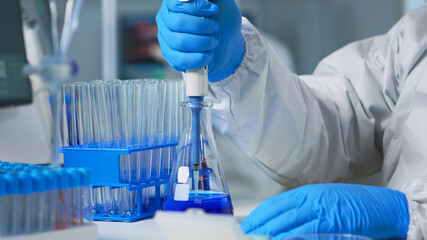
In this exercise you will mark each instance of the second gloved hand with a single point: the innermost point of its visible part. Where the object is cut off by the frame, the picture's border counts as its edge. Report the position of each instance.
(198, 33)
(377, 212)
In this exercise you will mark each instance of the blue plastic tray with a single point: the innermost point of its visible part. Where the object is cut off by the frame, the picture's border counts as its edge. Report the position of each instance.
(105, 166)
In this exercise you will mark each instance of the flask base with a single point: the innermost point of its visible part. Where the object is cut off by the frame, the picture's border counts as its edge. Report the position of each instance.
(211, 202)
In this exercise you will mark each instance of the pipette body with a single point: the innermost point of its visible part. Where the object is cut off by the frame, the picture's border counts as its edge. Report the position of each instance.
(196, 89)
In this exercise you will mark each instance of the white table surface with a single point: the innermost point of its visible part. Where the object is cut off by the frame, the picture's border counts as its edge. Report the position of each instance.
(147, 229)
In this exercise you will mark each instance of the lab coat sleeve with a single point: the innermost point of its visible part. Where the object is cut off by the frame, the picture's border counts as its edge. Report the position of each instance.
(328, 126)
(305, 129)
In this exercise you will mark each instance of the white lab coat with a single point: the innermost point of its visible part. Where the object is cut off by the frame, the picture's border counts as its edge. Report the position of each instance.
(363, 110)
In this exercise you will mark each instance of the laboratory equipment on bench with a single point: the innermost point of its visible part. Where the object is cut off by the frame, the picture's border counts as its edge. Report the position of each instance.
(56, 68)
(197, 180)
(126, 131)
(36, 199)
(206, 188)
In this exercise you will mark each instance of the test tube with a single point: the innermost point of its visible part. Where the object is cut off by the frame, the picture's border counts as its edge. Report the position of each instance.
(113, 89)
(125, 115)
(74, 218)
(134, 170)
(86, 205)
(10, 214)
(84, 114)
(38, 207)
(64, 140)
(71, 113)
(167, 129)
(117, 200)
(160, 126)
(144, 165)
(160, 106)
(143, 158)
(126, 112)
(137, 105)
(98, 200)
(129, 202)
(125, 160)
(102, 127)
(148, 199)
(149, 112)
(51, 199)
(106, 195)
(23, 203)
(63, 210)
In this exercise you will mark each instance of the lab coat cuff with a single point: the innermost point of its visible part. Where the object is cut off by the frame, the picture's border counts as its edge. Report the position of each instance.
(248, 32)
(416, 194)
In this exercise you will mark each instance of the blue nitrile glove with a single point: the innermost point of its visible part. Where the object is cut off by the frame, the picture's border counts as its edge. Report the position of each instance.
(377, 212)
(198, 33)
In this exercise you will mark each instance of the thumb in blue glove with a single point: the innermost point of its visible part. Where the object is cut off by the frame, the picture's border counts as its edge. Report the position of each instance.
(376, 212)
(197, 33)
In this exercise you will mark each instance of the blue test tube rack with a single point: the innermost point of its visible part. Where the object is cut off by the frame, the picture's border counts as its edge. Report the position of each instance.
(105, 166)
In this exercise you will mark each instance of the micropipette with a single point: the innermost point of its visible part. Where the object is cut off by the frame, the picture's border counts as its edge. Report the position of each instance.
(196, 89)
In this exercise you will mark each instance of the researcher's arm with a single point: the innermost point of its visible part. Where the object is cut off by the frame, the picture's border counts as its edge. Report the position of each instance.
(324, 127)
(328, 126)
(301, 129)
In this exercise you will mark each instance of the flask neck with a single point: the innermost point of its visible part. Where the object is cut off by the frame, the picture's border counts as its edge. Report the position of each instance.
(205, 114)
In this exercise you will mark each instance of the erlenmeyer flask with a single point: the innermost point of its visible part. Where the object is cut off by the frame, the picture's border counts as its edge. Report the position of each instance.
(209, 190)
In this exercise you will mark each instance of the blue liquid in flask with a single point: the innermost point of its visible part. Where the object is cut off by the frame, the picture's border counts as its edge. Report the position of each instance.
(211, 202)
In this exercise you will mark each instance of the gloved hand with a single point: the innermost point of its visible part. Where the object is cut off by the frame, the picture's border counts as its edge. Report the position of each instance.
(197, 33)
(377, 212)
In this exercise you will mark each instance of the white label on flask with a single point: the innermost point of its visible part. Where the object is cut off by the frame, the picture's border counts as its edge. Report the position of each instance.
(182, 192)
(183, 174)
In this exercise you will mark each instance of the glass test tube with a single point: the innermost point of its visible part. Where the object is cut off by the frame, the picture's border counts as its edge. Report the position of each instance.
(102, 127)
(129, 202)
(125, 114)
(70, 112)
(63, 205)
(10, 201)
(50, 200)
(98, 200)
(86, 196)
(166, 130)
(143, 158)
(137, 111)
(84, 114)
(106, 195)
(113, 89)
(74, 216)
(152, 127)
(38, 207)
(159, 129)
(116, 196)
(24, 203)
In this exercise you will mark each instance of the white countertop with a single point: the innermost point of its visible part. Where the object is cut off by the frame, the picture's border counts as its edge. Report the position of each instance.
(147, 229)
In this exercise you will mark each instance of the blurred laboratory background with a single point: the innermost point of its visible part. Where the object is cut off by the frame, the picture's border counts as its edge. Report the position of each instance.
(117, 39)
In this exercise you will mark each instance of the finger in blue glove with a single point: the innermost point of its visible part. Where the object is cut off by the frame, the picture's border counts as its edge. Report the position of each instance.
(197, 33)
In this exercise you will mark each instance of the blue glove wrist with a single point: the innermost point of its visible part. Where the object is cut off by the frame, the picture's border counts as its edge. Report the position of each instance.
(235, 59)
